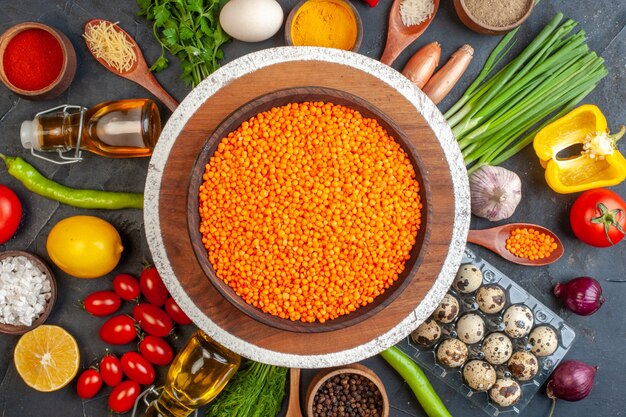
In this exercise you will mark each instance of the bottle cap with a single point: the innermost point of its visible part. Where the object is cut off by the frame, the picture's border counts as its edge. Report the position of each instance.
(28, 134)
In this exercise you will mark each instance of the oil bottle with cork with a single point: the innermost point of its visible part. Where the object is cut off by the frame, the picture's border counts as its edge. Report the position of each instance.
(116, 129)
(196, 376)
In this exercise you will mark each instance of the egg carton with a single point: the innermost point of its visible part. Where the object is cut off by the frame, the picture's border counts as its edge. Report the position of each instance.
(425, 356)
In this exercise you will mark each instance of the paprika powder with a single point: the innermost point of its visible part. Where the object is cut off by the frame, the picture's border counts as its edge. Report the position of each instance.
(33, 60)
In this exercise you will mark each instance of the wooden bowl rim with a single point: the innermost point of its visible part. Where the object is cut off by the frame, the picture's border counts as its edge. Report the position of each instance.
(348, 4)
(41, 264)
(256, 106)
(497, 30)
(355, 368)
(69, 57)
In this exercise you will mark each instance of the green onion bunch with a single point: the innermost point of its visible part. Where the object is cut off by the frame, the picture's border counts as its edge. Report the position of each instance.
(554, 73)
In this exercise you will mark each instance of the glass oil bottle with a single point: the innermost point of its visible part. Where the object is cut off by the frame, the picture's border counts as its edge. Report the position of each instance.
(116, 129)
(196, 376)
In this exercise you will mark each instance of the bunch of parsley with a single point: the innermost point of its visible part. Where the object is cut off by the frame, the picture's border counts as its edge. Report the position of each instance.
(190, 30)
(256, 390)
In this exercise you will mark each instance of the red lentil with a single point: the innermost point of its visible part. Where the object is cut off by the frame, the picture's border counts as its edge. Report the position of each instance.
(309, 211)
(530, 244)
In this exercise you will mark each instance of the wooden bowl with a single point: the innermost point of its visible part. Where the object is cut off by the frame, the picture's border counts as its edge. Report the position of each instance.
(348, 4)
(227, 91)
(10, 329)
(68, 69)
(281, 98)
(321, 377)
(471, 22)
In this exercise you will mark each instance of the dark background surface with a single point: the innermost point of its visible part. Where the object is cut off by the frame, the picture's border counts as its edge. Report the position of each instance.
(600, 338)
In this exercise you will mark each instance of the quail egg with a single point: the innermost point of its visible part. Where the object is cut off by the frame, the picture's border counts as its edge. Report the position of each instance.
(468, 279)
(427, 333)
(544, 341)
(497, 348)
(491, 299)
(518, 320)
(505, 392)
(523, 365)
(470, 328)
(452, 353)
(479, 375)
(447, 310)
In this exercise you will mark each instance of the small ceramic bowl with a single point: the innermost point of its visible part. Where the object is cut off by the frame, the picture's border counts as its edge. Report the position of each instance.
(37, 261)
(68, 69)
(471, 22)
(320, 379)
(292, 15)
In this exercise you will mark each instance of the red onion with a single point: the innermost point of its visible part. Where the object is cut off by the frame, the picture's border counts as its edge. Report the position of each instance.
(570, 381)
(581, 295)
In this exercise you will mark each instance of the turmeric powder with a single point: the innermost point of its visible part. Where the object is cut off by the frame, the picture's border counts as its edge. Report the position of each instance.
(327, 23)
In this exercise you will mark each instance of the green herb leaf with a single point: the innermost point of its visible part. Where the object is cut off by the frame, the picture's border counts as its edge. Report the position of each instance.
(161, 15)
(195, 6)
(186, 33)
(159, 65)
(170, 37)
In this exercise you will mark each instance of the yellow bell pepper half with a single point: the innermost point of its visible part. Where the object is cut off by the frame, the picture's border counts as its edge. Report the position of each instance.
(599, 164)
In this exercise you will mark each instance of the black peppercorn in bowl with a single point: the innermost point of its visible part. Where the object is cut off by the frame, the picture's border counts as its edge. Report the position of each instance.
(363, 391)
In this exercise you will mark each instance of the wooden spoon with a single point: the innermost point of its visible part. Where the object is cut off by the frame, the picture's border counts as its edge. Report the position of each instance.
(399, 36)
(495, 238)
(293, 409)
(139, 72)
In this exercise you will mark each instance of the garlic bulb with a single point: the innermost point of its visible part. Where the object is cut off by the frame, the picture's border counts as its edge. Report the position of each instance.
(495, 192)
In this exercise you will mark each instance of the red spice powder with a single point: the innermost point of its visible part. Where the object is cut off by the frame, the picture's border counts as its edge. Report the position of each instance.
(33, 59)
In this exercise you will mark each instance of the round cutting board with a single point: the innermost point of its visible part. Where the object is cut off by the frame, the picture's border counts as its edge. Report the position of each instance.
(255, 75)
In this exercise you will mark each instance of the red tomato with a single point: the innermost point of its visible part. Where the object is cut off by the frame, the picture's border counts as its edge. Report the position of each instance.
(123, 396)
(10, 213)
(118, 330)
(175, 312)
(156, 350)
(111, 370)
(126, 286)
(89, 383)
(597, 217)
(137, 368)
(152, 286)
(102, 303)
(152, 319)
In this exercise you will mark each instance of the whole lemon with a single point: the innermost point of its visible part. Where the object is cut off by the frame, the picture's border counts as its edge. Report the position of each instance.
(84, 246)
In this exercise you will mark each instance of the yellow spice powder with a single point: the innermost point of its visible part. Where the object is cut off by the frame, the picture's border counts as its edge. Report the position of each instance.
(326, 23)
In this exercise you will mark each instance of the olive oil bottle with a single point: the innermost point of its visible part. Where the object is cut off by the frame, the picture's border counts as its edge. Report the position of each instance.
(116, 129)
(196, 376)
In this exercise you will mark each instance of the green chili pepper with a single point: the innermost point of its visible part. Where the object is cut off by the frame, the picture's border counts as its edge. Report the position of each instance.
(415, 377)
(93, 199)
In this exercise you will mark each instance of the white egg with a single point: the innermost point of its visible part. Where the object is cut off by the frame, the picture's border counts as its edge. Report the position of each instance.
(251, 20)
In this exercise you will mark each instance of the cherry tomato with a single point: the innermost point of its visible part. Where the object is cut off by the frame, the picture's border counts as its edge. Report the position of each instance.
(152, 319)
(137, 368)
(10, 213)
(598, 217)
(152, 286)
(126, 286)
(123, 396)
(156, 350)
(118, 330)
(175, 312)
(89, 383)
(111, 370)
(102, 303)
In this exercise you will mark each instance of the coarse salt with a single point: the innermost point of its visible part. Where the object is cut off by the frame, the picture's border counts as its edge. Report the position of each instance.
(24, 291)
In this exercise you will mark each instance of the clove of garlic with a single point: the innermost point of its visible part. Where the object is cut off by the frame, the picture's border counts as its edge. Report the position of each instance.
(495, 192)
